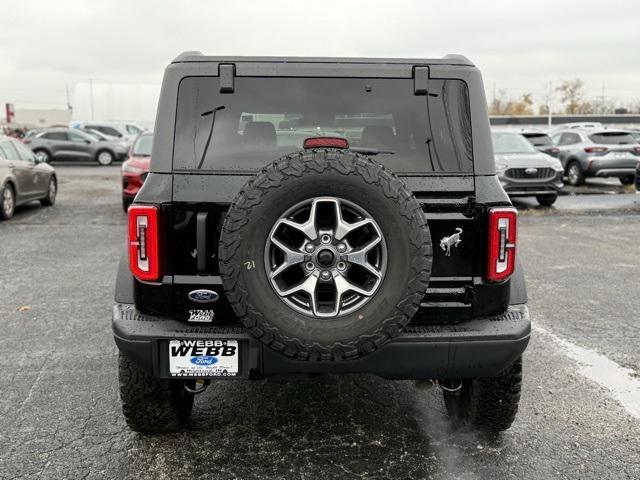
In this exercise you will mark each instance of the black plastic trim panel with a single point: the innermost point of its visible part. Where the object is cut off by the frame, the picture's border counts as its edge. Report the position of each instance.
(476, 348)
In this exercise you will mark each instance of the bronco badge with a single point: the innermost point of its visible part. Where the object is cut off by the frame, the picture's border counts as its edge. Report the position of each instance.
(451, 241)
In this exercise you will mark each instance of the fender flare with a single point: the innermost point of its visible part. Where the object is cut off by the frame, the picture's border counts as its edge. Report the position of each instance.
(518, 285)
(124, 280)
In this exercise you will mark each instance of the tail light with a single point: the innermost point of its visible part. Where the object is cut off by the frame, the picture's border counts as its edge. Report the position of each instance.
(144, 242)
(325, 142)
(595, 149)
(501, 255)
(636, 150)
(26, 141)
(553, 150)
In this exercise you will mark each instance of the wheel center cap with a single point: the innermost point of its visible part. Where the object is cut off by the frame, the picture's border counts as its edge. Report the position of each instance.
(325, 258)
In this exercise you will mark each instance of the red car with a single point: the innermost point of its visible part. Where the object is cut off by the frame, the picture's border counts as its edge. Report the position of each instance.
(136, 168)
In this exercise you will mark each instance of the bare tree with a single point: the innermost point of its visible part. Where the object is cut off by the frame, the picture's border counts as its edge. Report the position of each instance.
(572, 97)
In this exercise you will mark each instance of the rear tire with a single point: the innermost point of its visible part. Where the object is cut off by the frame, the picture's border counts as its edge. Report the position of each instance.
(151, 405)
(547, 200)
(487, 404)
(104, 157)
(627, 180)
(7, 202)
(575, 175)
(52, 193)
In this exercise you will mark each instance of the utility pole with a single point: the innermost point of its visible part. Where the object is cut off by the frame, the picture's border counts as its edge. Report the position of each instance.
(68, 101)
(91, 96)
(548, 98)
(602, 99)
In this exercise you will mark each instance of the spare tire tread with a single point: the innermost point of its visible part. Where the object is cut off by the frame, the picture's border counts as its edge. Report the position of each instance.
(320, 161)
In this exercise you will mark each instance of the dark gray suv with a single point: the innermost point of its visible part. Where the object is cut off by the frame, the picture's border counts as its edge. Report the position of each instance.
(597, 152)
(72, 144)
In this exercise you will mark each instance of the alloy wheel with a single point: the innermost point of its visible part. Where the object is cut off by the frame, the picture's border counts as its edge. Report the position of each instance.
(325, 257)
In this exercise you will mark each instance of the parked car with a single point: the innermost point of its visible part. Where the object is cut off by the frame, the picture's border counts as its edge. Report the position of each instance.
(524, 171)
(102, 137)
(23, 178)
(542, 141)
(73, 144)
(122, 130)
(136, 168)
(571, 126)
(597, 152)
(248, 258)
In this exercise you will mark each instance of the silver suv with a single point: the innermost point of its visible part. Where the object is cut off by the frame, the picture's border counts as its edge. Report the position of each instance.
(597, 152)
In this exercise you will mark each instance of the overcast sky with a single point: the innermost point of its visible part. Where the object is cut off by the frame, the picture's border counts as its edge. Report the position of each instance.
(519, 46)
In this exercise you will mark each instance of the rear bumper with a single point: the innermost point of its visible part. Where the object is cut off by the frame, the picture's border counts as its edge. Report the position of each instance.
(475, 348)
(615, 172)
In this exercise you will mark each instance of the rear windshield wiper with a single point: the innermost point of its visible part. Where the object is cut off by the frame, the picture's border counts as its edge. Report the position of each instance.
(372, 151)
(213, 121)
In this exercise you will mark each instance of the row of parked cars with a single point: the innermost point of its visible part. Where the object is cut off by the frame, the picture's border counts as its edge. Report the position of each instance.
(100, 142)
(535, 163)
(26, 174)
(528, 162)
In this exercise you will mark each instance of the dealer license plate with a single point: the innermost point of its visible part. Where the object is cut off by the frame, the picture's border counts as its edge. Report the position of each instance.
(203, 358)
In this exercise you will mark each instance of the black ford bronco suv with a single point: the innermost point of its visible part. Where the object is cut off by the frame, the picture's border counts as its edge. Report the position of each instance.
(321, 215)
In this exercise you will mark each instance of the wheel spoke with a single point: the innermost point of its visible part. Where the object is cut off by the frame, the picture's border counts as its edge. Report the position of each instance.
(343, 286)
(342, 227)
(308, 228)
(308, 285)
(291, 257)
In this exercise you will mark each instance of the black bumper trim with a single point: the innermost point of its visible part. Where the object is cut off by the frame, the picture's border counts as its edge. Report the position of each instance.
(476, 348)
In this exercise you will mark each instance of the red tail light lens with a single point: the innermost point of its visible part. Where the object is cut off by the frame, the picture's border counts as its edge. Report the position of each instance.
(501, 255)
(144, 242)
(325, 142)
(26, 141)
(553, 150)
(595, 149)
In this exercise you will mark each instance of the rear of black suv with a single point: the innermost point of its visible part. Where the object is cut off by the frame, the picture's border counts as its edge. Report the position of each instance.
(321, 216)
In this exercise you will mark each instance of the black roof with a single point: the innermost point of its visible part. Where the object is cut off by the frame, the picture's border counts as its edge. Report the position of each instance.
(450, 59)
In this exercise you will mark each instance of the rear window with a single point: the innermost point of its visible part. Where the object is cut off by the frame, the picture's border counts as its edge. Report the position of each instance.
(539, 139)
(266, 118)
(612, 138)
(511, 143)
(142, 146)
(55, 136)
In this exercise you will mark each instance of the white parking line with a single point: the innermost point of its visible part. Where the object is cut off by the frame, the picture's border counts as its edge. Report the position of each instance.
(605, 372)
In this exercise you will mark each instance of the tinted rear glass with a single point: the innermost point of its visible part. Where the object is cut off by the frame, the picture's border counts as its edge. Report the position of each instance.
(511, 143)
(612, 138)
(266, 118)
(539, 139)
(142, 147)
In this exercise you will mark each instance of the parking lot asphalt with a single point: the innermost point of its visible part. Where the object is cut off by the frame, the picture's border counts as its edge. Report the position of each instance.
(60, 413)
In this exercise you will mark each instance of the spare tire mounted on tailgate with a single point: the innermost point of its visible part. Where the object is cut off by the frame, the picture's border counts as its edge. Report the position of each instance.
(325, 255)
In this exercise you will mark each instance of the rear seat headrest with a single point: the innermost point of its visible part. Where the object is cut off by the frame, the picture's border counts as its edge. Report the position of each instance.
(261, 134)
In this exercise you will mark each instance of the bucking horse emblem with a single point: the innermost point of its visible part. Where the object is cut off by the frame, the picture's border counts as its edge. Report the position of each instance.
(452, 241)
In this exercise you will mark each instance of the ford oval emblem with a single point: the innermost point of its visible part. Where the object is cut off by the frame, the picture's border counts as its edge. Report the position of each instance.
(204, 360)
(531, 171)
(203, 296)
